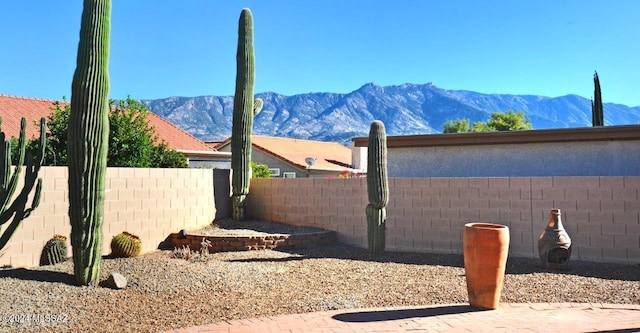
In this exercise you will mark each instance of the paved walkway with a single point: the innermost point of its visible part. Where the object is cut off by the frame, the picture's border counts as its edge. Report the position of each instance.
(509, 317)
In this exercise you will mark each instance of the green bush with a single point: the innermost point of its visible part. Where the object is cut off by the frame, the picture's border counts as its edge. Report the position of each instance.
(132, 141)
(260, 170)
(499, 121)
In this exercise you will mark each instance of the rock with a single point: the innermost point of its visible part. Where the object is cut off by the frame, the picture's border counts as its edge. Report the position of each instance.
(116, 281)
(183, 234)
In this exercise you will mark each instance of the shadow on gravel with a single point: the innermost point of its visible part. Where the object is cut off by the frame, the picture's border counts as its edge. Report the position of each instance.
(601, 270)
(38, 275)
(515, 265)
(384, 315)
(347, 252)
(624, 330)
(262, 226)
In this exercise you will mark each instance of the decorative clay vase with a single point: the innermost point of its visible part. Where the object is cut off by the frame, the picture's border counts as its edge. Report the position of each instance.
(554, 244)
(486, 247)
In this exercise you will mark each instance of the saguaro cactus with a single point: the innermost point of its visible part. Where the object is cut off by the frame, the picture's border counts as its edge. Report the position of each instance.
(377, 187)
(244, 109)
(88, 138)
(597, 112)
(16, 210)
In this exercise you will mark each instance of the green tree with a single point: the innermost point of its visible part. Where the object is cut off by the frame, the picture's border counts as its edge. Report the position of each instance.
(479, 126)
(164, 157)
(456, 126)
(499, 121)
(57, 124)
(56, 146)
(260, 170)
(508, 121)
(132, 141)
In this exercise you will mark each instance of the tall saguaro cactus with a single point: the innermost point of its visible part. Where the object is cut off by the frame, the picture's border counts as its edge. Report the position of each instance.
(597, 112)
(377, 187)
(244, 109)
(17, 210)
(88, 138)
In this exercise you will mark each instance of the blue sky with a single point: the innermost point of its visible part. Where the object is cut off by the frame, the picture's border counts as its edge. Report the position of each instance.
(164, 48)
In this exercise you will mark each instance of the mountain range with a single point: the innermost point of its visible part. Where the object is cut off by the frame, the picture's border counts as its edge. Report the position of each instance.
(404, 109)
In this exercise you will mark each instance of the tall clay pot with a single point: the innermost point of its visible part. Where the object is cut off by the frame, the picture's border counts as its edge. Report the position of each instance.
(486, 247)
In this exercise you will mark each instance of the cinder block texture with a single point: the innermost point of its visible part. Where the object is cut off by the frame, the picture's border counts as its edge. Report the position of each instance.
(149, 203)
(601, 214)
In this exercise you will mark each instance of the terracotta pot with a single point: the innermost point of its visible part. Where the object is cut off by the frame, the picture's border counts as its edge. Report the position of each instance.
(486, 247)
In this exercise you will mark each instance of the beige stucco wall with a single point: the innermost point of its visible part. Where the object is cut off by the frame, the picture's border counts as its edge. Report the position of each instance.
(582, 158)
(150, 203)
(601, 214)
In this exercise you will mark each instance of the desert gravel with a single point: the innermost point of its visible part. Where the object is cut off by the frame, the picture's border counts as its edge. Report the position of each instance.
(173, 289)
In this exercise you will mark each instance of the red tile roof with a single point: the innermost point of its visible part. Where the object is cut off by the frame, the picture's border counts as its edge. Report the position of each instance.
(328, 155)
(13, 108)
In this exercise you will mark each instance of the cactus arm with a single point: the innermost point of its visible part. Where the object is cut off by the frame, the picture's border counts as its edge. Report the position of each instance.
(5, 168)
(43, 141)
(597, 114)
(15, 211)
(36, 199)
(19, 214)
(9, 231)
(30, 178)
(18, 211)
(5, 162)
(17, 207)
(257, 106)
(19, 203)
(13, 181)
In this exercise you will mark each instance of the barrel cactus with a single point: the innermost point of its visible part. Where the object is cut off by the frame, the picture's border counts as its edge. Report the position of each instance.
(88, 139)
(125, 245)
(377, 187)
(14, 208)
(54, 251)
(244, 109)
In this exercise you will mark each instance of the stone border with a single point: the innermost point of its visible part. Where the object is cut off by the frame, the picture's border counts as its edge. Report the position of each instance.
(248, 243)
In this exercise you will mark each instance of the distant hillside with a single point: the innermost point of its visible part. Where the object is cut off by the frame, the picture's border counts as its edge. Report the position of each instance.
(405, 109)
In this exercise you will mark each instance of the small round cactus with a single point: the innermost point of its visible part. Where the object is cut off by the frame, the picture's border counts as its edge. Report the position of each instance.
(125, 245)
(54, 251)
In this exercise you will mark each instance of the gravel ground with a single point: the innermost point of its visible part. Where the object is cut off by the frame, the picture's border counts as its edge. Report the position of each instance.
(173, 289)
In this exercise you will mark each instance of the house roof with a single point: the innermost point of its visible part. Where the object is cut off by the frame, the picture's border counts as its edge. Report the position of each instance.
(13, 108)
(329, 155)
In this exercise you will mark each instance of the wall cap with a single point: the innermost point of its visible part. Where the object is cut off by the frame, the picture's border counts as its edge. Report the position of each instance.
(601, 133)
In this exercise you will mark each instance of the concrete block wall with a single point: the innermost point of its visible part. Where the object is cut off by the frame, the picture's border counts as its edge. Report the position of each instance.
(150, 203)
(601, 214)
